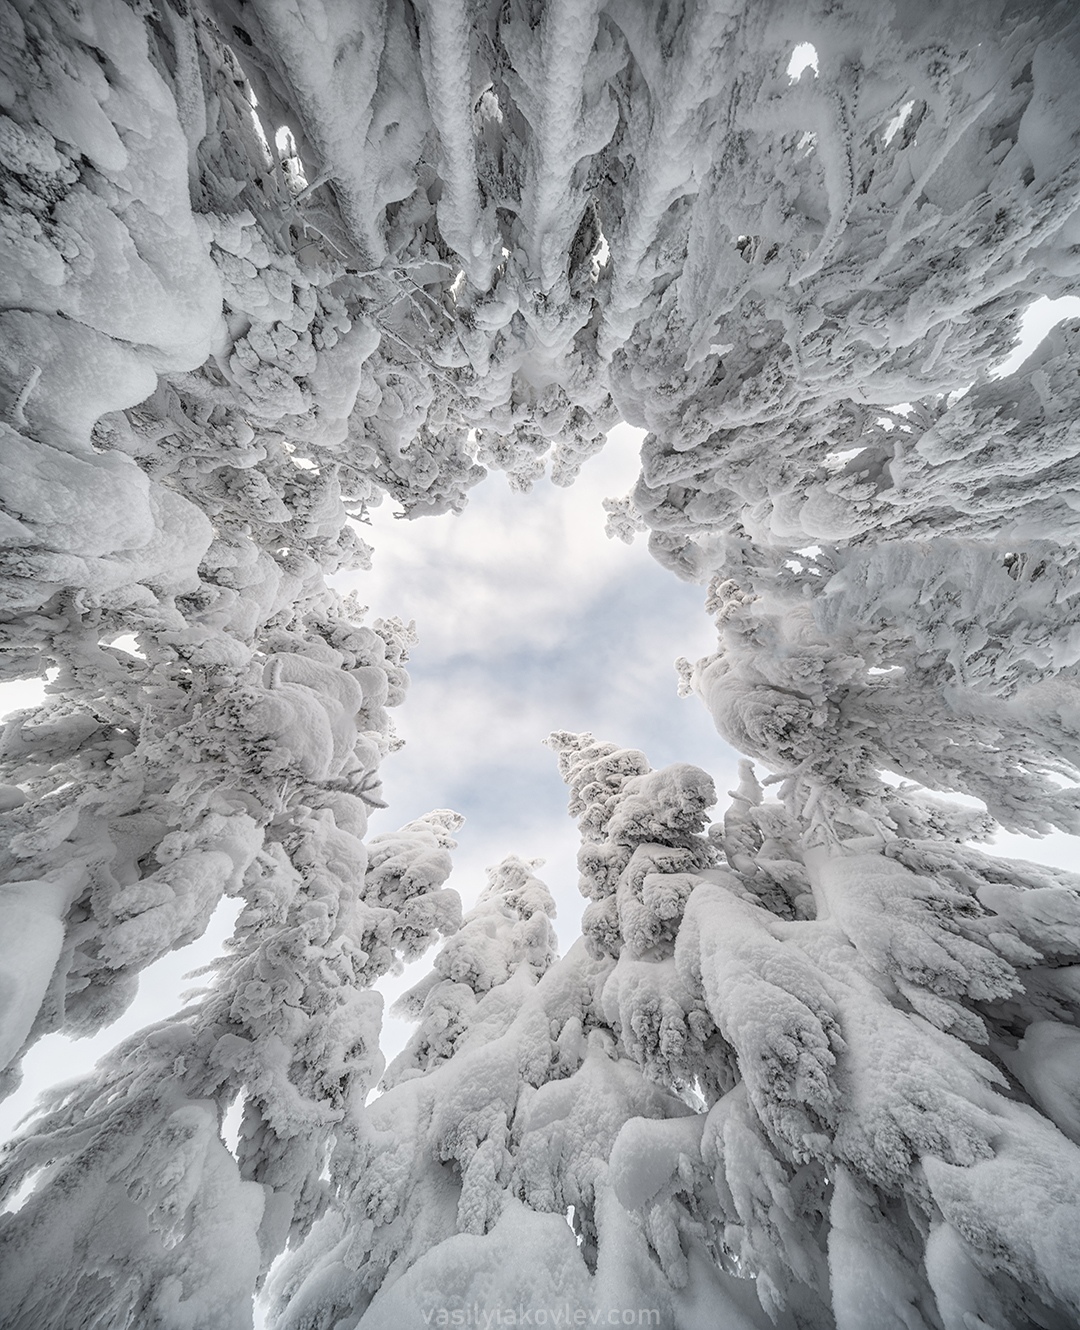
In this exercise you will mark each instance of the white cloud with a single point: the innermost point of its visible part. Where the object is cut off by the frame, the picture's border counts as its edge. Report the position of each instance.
(19, 694)
(57, 1058)
(511, 568)
(1037, 320)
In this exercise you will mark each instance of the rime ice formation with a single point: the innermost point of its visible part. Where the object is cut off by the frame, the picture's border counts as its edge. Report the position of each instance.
(267, 264)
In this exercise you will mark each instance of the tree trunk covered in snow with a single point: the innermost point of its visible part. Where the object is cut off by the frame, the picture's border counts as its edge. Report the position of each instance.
(267, 264)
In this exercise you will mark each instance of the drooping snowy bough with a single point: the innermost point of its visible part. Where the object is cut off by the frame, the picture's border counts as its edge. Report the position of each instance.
(816, 1064)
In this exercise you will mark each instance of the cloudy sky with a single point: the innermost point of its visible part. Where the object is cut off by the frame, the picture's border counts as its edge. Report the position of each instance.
(530, 620)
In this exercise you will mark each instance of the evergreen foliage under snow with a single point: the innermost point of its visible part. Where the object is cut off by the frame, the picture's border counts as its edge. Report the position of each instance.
(812, 1064)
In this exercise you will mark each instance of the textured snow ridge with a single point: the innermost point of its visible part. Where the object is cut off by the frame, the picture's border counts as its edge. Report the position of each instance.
(269, 263)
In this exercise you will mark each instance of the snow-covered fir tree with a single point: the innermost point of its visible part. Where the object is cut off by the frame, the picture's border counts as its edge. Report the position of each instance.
(267, 264)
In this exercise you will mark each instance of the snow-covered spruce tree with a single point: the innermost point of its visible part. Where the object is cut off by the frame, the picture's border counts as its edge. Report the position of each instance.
(880, 984)
(139, 1214)
(266, 263)
(833, 1052)
(236, 747)
(497, 1123)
